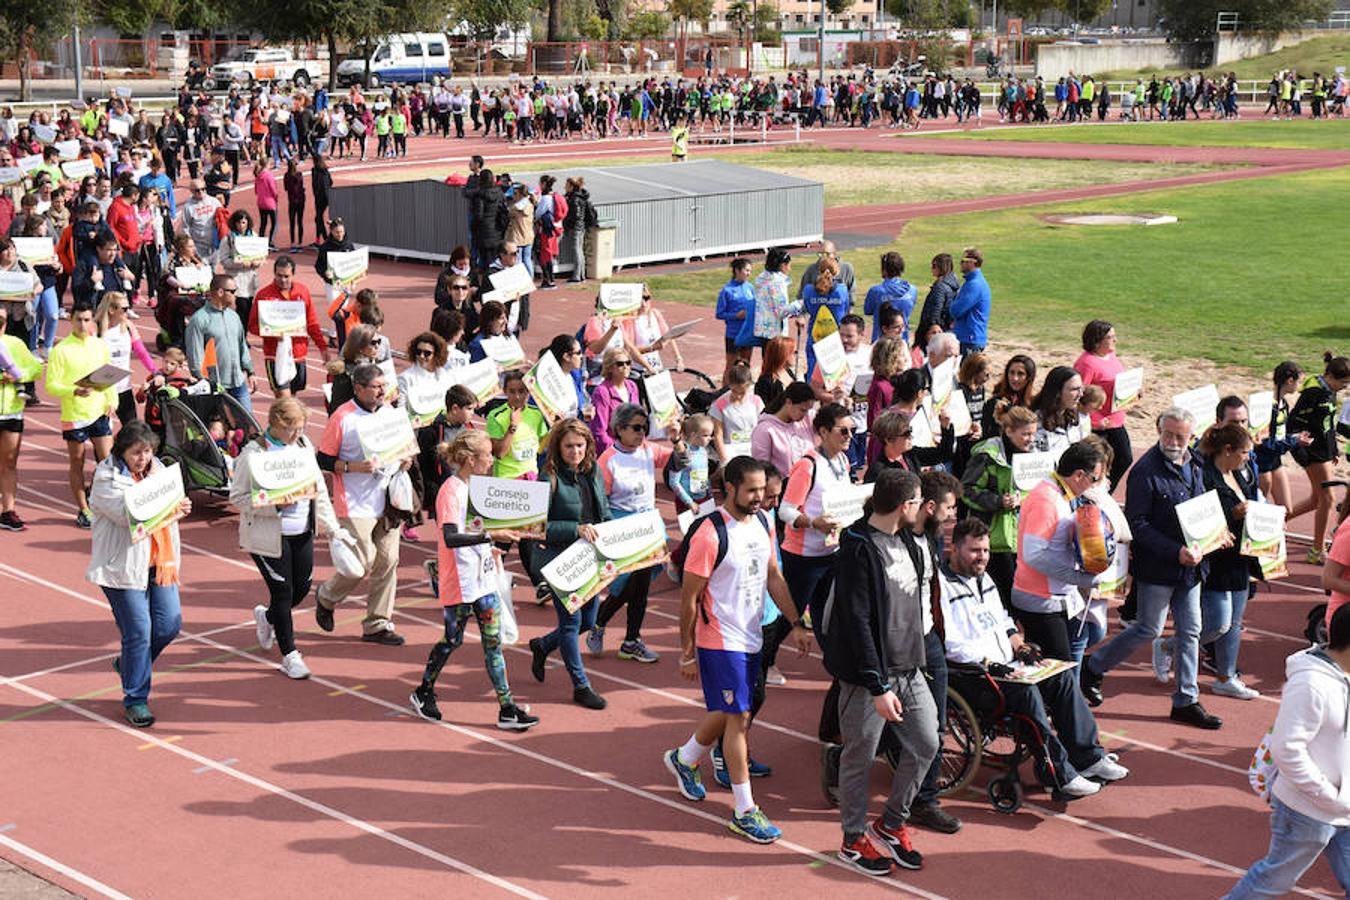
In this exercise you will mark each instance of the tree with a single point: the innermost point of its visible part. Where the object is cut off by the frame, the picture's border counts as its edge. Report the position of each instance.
(1078, 10)
(930, 15)
(137, 16)
(1194, 20)
(686, 11)
(483, 17)
(554, 20)
(29, 27)
(647, 25)
(838, 7)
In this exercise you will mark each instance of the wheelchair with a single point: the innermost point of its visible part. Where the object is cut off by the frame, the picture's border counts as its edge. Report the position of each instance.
(981, 730)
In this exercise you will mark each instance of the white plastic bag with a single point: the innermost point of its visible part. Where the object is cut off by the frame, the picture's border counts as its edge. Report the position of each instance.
(401, 492)
(283, 367)
(506, 608)
(347, 562)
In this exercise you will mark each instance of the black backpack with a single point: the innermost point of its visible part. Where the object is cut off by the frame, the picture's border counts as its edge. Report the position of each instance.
(719, 524)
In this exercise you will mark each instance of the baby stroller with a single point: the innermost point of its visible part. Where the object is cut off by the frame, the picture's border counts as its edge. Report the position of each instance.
(185, 435)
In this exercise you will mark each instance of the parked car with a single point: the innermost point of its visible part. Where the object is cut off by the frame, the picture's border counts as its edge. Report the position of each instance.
(261, 64)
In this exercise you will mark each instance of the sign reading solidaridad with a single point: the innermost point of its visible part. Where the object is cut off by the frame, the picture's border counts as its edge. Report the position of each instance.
(622, 545)
(152, 502)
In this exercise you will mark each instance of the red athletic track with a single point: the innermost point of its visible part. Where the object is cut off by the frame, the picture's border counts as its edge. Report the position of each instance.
(251, 784)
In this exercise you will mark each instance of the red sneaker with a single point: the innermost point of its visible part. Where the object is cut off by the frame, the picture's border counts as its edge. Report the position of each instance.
(897, 841)
(864, 855)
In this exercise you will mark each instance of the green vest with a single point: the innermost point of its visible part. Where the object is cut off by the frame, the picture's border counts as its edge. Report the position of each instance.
(997, 478)
(11, 401)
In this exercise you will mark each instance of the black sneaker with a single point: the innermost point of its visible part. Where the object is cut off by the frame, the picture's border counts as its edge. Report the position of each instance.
(1194, 714)
(864, 855)
(538, 660)
(423, 701)
(84, 520)
(513, 718)
(322, 614)
(10, 521)
(1090, 683)
(588, 698)
(898, 842)
(387, 636)
(934, 818)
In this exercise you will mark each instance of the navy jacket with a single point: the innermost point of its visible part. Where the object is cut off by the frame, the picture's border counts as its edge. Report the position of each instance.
(1153, 489)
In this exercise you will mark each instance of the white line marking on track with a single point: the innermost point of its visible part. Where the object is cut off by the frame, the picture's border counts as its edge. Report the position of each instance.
(56, 866)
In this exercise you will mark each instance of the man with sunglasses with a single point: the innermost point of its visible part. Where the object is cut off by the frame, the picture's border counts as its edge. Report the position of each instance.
(217, 323)
(1051, 589)
(197, 219)
(517, 318)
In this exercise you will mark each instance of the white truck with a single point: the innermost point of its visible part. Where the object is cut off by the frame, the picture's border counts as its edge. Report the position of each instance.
(261, 64)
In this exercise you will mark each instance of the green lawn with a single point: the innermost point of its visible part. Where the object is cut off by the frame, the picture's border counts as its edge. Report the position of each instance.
(1250, 274)
(1319, 54)
(1328, 134)
(858, 177)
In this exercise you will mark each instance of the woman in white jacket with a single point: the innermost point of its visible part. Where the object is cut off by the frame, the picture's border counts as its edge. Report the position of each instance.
(139, 578)
(280, 537)
(1310, 797)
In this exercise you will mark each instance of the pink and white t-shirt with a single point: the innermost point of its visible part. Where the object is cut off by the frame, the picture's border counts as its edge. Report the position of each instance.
(738, 419)
(732, 605)
(465, 574)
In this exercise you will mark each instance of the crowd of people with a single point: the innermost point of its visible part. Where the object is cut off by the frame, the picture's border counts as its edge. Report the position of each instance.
(953, 560)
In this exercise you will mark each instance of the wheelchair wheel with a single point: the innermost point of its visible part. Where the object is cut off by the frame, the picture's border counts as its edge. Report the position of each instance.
(1005, 794)
(962, 748)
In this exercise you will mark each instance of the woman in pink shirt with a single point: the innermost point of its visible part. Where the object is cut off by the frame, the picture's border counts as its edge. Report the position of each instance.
(784, 433)
(614, 391)
(265, 189)
(1098, 365)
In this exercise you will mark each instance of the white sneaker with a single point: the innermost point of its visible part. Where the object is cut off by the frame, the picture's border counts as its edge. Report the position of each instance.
(293, 664)
(1105, 769)
(266, 634)
(1080, 787)
(775, 677)
(1234, 688)
(1162, 661)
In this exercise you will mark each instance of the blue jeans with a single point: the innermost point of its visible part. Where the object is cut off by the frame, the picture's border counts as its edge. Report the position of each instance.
(149, 620)
(280, 151)
(1221, 623)
(525, 256)
(46, 312)
(1072, 745)
(240, 393)
(1154, 602)
(1295, 843)
(564, 638)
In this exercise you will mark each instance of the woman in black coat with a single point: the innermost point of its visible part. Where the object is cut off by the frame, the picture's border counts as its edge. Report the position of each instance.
(489, 218)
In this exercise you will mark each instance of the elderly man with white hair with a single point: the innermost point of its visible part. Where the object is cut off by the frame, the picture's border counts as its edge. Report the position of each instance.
(846, 275)
(1167, 571)
(942, 347)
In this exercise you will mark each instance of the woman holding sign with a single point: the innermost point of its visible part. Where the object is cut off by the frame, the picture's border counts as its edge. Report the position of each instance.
(467, 584)
(577, 502)
(1098, 365)
(277, 466)
(1056, 406)
(139, 577)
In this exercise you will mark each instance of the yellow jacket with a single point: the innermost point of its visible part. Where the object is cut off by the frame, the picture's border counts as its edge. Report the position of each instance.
(70, 360)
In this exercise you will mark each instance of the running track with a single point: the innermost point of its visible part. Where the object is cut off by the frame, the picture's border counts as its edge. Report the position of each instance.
(252, 784)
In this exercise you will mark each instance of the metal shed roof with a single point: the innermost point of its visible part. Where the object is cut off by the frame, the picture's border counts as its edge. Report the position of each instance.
(660, 181)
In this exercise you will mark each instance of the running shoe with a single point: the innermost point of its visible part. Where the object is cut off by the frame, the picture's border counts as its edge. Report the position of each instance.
(293, 665)
(753, 824)
(1162, 661)
(513, 718)
(386, 635)
(897, 842)
(1234, 688)
(263, 628)
(1316, 557)
(1080, 787)
(775, 677)
(595, 640)
(410, 534)
(934, 818)
(139, 714)
(84, 520)
(759, 769)
(719, 767)
(423, 701)
(864, 855)
(542, 594)
(687, 779)
(636, 651)
(1105, 769)
(10, 521)
(587, 697)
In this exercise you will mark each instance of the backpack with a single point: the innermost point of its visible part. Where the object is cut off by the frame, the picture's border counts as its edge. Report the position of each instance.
(675, 566)
(1262, 772)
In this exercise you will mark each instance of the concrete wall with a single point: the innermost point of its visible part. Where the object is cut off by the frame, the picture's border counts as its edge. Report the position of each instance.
(1054, 61)
(1229, 47)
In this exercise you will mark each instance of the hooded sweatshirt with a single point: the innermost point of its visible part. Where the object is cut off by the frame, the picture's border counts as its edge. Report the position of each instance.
(1311, 739)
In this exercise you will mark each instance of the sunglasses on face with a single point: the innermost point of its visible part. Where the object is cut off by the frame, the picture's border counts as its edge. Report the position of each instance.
(623, 363)
(639, 427)
(459, 287)
(425, 351)
(844, 431)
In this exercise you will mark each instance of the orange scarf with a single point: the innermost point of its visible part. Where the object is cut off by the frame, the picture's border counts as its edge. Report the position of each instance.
(163, 553)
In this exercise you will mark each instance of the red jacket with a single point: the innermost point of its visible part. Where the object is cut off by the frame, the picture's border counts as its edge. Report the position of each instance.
(299, 344)
(122, 220)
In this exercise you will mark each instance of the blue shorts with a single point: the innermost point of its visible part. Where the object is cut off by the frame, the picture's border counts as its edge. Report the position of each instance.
(99, 428)
(728, 678)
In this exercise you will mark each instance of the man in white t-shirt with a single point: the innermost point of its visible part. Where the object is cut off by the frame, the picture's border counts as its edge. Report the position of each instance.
(729, 564)
(360, 497)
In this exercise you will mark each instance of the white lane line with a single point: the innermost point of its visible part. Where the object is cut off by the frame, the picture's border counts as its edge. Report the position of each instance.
(259, 783)
(57, 866)
(681, 807)
(1151, 844)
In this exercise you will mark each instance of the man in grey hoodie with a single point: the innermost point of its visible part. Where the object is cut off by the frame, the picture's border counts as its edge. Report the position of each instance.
(1310, 744)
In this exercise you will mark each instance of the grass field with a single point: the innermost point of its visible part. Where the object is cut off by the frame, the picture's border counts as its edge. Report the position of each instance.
(1249, 276)
(1319, 54)
(1329, 134)
(856, 177)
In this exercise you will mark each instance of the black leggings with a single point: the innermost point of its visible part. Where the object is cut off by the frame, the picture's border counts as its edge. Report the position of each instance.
(288, 578)
(266, 216)
(1122, 453)
(1050, 631)
(1002, 568)
(126, 407)
(634, 594)
(295, 216)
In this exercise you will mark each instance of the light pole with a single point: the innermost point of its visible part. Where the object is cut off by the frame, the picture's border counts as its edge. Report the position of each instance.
(820, 44)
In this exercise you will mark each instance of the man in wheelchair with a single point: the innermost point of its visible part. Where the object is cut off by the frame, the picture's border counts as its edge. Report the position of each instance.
(981, 638)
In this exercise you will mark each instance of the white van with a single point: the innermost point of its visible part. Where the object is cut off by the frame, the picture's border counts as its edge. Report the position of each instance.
(400, 59)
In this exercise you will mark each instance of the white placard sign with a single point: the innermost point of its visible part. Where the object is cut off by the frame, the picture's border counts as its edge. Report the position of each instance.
(68, 149)
(1202, 522)
(35, 251)
(119, 127)
(250, 248)
(196, 278)
(349, 266)
(1200, 403)
(511, 283)
(958, 413)
(552, 389)
(1030, 469)
(505, 351)
(1125, 392)
(661, 397)
(621, 301)
(283, 476)
(279, 318)
(76, 169)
